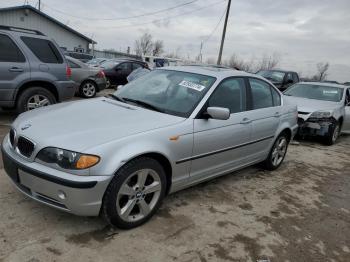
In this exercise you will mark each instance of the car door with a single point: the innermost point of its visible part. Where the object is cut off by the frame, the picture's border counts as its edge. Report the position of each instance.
(219, 144)
(122, 71)
(14, 68)
(346, 123)
(265, 114)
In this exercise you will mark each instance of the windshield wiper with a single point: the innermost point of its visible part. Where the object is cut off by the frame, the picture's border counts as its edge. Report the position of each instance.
(143, 104)
(118, 98)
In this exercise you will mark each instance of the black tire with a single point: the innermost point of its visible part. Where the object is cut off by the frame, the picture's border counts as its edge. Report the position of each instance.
(108, 83)
(126, 173)
(269, 163)
(27, 95)
(333, 134)
(88, 89)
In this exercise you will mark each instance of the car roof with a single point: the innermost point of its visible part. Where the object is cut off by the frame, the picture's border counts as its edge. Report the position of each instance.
(210, 71)
(278, 70)
(324, 84)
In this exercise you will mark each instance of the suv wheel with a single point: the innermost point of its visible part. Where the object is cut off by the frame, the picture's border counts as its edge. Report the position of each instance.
(277, 153)
(333, 134)
(34, 97)
(88, 89)
(135, 193)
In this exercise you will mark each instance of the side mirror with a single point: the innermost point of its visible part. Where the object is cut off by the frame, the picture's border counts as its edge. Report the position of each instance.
(118, 87)
(219, 113)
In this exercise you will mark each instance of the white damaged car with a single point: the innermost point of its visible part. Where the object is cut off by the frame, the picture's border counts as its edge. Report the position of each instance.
(323, 109)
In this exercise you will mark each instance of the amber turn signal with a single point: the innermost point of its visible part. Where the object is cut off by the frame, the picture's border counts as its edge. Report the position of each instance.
(86, 161)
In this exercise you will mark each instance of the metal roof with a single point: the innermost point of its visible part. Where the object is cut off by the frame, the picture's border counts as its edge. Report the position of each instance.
(31, 8)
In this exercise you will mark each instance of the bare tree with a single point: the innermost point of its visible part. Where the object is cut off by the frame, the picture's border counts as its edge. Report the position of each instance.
(322, 69)
(144, 45)
(210, 61)
(158, 46)
(268, 62)
(235, 62)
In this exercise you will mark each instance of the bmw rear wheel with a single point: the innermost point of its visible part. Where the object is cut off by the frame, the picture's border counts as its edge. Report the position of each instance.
(277, 153)
(135, 193)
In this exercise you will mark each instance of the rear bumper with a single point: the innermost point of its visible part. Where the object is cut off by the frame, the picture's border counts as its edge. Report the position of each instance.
(101, 83)
(79, 195)
(65, 89)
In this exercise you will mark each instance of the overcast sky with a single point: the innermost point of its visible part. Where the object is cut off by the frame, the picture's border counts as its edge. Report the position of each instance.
(302, 32)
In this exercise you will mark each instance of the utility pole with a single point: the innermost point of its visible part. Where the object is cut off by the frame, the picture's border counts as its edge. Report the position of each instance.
(224, 32)
(39, 5)
(200, 52)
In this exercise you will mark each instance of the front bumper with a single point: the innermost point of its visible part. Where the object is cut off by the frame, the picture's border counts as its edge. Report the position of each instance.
(65, 89)
(79, 195)
(314, 127)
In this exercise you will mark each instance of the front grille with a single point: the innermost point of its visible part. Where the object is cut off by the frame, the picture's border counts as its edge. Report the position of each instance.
(25, 147)
(12, 137)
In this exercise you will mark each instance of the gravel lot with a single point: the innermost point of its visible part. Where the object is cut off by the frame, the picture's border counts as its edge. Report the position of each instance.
(300, 212)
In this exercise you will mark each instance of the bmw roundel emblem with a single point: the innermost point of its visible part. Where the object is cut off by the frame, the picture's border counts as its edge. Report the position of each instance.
(26, 126)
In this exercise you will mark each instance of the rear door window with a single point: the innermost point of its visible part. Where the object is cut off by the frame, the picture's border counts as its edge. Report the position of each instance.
(43, 49)
(9, 52)
(261, 94)
(295, 78)
(136, 66)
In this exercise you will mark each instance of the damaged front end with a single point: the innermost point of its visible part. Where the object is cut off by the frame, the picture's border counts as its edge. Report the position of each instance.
(315, 124)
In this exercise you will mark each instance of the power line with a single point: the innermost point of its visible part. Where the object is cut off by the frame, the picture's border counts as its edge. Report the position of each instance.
(168, 17)
(123, 18)
(215, 28)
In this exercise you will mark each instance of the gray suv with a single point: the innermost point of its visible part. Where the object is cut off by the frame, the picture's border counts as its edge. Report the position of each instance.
(33, 72)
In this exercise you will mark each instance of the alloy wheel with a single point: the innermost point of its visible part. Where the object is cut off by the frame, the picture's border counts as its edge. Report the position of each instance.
(89, 90)
(279, 151)
(37, 101)
(138, 195)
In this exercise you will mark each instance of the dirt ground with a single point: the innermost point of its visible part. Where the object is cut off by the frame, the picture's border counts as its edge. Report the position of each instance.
(300, 212)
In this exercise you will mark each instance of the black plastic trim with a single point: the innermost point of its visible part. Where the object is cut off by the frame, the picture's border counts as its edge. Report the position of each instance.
(222, 150)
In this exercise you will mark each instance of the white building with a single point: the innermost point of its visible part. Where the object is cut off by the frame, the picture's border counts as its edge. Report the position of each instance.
(29, 17)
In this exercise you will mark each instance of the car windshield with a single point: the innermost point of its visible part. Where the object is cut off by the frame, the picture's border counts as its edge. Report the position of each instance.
(274, 76)
(110, 64)
(172, 92)
(318, 92)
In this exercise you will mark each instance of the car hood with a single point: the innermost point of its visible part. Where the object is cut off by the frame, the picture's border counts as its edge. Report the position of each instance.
(84, 124)
(311, 105)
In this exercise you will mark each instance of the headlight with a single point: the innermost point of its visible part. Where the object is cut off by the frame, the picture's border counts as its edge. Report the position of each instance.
(67, 159)
(321, 114)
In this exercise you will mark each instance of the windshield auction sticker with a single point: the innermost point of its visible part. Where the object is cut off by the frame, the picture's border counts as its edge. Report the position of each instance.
(191, 85)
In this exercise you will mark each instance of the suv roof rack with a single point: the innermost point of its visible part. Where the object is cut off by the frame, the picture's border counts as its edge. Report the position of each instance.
(20, 29)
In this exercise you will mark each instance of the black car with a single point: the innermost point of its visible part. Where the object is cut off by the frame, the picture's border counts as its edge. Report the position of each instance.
(117, 70)
(280, 78)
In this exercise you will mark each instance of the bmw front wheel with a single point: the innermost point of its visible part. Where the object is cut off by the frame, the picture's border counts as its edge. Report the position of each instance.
(135, 193)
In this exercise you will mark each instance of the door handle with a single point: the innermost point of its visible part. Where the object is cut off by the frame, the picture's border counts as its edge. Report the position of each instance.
(277, 114)
(16, 69)
(245, 121)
